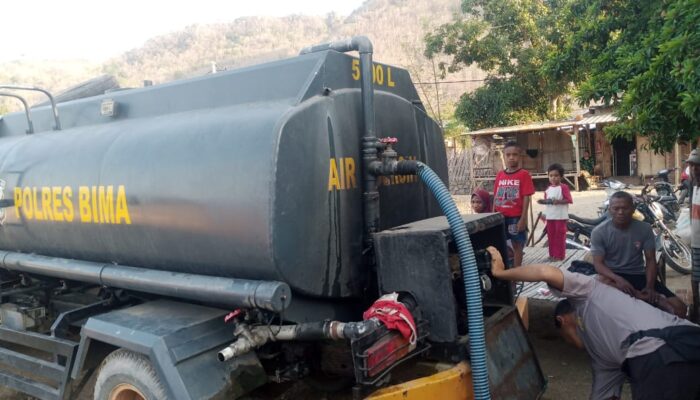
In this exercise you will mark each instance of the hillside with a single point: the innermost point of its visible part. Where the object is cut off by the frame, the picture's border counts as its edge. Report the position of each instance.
(55, 75)
(396, 27)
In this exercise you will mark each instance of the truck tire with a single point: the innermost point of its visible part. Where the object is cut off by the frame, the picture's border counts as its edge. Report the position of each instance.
(125, 375)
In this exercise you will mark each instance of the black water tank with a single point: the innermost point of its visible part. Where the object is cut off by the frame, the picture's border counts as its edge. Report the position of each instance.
(254, 173)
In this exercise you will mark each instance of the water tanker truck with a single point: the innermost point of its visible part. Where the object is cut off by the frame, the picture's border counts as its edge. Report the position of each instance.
(211, 237)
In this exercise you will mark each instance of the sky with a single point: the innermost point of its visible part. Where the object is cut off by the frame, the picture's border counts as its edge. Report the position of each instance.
(96, 30)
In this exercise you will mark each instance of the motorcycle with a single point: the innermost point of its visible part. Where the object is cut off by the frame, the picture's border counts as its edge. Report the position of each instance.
(575, 240)
(673, 248)
(667, 194)
(662, 184)
(580, 229)
(665, 204)
(611, 186)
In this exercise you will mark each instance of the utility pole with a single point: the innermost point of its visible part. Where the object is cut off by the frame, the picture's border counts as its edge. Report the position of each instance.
(437, 94)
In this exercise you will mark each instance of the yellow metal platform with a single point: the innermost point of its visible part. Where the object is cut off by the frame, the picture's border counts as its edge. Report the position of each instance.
(453, 384)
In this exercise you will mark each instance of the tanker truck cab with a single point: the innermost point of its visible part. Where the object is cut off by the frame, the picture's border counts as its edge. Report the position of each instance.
(279, 227)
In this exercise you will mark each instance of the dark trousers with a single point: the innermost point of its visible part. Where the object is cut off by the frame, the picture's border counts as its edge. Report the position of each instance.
(663, 375)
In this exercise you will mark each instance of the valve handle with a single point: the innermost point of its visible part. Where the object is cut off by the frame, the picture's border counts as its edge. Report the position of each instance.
(389, 140)
(233, 314)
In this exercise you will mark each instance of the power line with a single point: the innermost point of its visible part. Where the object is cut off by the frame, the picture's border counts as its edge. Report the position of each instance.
(464, 81)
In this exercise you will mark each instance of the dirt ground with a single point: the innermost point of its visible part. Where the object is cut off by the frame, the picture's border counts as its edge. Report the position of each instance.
(566, 369)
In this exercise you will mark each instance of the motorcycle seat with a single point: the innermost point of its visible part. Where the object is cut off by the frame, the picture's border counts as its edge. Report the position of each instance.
(664, 199)
(588, 221)
(579, 228)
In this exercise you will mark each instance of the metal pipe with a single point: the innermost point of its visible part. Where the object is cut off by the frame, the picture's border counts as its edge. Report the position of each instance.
(268, 295)
(30, 129)
(54, 109)
(370, 192)
(394, 167)
(355, 43)
(251, 338)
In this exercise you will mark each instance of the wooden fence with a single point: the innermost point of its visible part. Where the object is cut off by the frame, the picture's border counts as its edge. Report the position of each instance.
(466, 166)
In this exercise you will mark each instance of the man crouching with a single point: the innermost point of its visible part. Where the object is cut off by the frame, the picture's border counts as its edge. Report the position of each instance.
(617, 332)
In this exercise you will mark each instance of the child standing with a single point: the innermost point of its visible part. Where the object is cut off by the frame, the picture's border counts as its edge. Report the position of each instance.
(511, 197)
(557, 197)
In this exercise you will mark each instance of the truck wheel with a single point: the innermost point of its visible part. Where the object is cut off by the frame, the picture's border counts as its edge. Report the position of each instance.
(125, 375)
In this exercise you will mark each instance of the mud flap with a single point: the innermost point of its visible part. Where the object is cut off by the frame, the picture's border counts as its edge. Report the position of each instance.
(514, 371)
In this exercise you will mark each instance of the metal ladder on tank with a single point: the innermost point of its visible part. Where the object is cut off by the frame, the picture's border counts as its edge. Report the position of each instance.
(27, 113)
(46, 375)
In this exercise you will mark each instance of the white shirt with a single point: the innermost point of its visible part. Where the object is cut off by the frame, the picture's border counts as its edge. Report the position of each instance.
(556, 211)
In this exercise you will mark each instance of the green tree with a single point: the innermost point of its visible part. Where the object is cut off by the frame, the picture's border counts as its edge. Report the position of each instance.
(452, 126)
(643, 56)
(511, 41)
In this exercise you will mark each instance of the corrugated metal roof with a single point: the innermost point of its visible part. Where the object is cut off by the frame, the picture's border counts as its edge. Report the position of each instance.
(534, 127)
(601, 116)
(598, 118)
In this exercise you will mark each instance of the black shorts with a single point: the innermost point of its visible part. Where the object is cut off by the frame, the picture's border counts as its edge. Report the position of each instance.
(663, 375)
(640, 283)
(512, 230)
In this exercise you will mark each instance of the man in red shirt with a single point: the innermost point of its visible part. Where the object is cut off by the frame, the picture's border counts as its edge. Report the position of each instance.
(511, 197)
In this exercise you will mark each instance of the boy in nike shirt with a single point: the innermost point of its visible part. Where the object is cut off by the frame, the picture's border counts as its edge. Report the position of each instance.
(511, 197)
